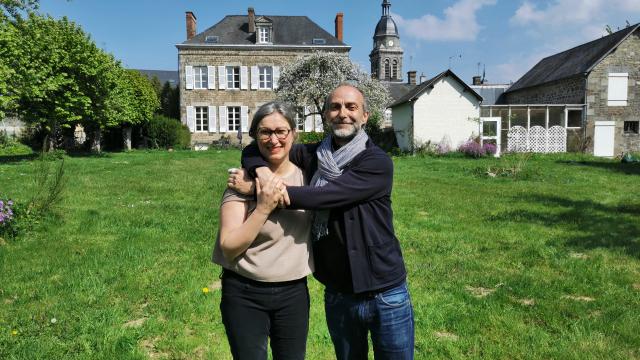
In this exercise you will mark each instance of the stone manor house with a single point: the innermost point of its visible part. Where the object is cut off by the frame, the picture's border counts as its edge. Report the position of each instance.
(232, 68)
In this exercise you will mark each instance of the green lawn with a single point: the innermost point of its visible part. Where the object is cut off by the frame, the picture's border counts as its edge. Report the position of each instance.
(544, 267)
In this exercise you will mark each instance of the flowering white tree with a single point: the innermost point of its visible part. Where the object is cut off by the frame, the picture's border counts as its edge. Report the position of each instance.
(308, 80)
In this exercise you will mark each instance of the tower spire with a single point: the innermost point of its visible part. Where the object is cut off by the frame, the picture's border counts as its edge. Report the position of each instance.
(386, 4)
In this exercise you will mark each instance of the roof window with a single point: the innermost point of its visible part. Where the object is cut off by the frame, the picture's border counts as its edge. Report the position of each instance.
(319, 41)
(211, 39)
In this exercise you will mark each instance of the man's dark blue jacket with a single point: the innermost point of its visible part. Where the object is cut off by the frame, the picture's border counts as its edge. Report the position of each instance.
(359, 201)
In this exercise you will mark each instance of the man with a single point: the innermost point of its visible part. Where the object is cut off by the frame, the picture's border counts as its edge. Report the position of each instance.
(357, 256)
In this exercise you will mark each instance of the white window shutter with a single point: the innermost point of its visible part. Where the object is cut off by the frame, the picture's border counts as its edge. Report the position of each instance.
(244, 78)
(222, 77)
(255, 78)
(244, 118)
(188, 75)
(308, 120)
(318, 122)
(191, 118)
(211, 77)
(276, 76)
(617, 89)
(213, 126)
(224, 122)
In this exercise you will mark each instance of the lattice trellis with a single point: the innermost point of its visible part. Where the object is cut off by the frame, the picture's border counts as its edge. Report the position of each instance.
(517, 139)
(557, 139)
(537, 139)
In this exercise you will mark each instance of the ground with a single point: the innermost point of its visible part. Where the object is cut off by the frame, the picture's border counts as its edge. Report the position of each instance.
(546, 265)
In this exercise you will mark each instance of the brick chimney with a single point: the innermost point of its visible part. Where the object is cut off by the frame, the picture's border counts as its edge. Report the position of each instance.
(251, 20)
(339, 26)
(412, 77)
(477, 80)
(191, 25)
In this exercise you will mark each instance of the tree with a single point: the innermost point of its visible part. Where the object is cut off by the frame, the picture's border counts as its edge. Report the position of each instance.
(13, 8)
(170, 101)
(309, 79)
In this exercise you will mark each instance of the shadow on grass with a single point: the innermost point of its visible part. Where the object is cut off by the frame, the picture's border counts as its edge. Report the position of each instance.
(8, 159)
(625, 168)
(586, 223)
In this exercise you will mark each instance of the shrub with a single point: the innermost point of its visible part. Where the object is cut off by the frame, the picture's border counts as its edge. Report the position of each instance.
(489, 149)
(6, 218)
(9, 145)
(310, 137)
(472, 149)
(164, 132)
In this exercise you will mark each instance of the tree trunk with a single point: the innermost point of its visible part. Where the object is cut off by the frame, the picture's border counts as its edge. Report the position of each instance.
(97, 137)
(126, 138)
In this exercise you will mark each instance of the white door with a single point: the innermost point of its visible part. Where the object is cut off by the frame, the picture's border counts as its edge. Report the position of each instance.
(604, 136)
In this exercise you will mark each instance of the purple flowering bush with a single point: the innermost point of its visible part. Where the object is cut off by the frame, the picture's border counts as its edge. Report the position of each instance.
(489, 149)
(472, 149)
(7, 218)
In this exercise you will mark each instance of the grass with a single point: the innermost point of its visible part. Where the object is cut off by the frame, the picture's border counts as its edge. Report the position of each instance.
(545, 266)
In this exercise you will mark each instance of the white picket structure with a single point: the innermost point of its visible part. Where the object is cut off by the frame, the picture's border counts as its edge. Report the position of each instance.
(537, 139)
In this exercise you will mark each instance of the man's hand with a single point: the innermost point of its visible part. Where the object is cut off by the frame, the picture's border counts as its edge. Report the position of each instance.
(240, 181)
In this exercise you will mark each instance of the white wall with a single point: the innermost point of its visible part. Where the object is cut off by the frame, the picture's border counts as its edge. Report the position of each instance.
(447, 109)
(401, 119)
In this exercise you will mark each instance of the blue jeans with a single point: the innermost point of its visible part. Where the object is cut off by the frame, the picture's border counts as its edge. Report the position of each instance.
(387, 315)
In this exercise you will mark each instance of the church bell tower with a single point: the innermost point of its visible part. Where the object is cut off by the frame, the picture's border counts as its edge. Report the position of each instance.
(386, 56)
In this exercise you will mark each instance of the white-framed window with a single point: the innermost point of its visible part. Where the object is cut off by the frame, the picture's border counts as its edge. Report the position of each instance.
(264, 35)
(233, 118)
(265, 80)
(617, 89)
(202, 118)
(200, 77)
(233, 77)
(299, 119)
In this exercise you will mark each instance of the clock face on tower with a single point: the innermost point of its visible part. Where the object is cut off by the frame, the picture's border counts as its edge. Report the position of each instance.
(390, 43)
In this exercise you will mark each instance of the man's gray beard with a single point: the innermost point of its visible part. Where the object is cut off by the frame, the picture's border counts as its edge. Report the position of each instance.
(345, 134)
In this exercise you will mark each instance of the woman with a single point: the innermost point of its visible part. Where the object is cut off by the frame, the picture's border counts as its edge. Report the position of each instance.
(265, 252)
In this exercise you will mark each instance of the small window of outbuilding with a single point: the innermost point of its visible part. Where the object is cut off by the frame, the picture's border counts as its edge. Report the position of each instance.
(631, 127)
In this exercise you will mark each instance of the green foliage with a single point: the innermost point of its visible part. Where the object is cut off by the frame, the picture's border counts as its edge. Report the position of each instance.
(13, 8)
(170, 101)
(310, 137)
(164, 132)
(10, 146)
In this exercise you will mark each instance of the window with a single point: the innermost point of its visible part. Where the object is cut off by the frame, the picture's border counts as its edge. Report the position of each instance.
(265, 80)
(394, 73)
(631, 127)
(202, 118)
(574, 118)
(200, 77)
(299, 119)
(264, 35)
(319, 41)
(387, 69)
(233, 77)
(211, 39)
(233, 118)
(617, 89)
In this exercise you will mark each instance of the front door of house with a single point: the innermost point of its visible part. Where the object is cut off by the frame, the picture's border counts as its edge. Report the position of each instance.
(603, 138)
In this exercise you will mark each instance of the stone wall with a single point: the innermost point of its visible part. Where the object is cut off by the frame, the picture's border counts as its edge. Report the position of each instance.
(251, 98)
(565, 91)
(625, 59)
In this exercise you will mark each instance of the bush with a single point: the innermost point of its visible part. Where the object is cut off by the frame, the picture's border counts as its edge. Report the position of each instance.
(9, 145)
(164, 132)
(489, 149)
(310, 137)
(472, 149)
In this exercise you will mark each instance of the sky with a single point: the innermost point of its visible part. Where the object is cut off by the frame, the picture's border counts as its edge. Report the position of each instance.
(505, 37)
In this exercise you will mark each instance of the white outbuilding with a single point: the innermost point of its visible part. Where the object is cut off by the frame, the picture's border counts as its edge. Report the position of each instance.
(443, 108)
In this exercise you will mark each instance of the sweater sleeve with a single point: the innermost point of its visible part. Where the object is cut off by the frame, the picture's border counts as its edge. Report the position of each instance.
(368, 178)
(300, 154)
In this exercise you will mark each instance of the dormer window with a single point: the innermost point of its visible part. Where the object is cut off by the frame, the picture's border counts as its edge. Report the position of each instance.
(264, 35)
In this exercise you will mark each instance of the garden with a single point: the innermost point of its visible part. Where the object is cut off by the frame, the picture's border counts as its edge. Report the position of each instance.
(107, 256)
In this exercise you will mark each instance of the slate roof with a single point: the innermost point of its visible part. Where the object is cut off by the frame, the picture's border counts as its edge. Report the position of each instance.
(287, 30)
(163, 75)
(397, 90)
(491, 94)
(576, 61)
(418, 90)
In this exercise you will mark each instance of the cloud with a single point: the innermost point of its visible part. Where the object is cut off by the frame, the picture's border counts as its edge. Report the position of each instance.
(459, 23)
(559, 13)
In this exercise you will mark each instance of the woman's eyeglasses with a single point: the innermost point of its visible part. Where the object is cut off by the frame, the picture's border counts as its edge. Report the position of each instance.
(264, 134)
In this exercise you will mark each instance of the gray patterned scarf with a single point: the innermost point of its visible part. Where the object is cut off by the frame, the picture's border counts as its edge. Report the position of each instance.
(330, 166)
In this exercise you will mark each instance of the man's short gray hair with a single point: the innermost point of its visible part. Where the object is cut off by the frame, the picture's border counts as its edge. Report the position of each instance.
(327, 100)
